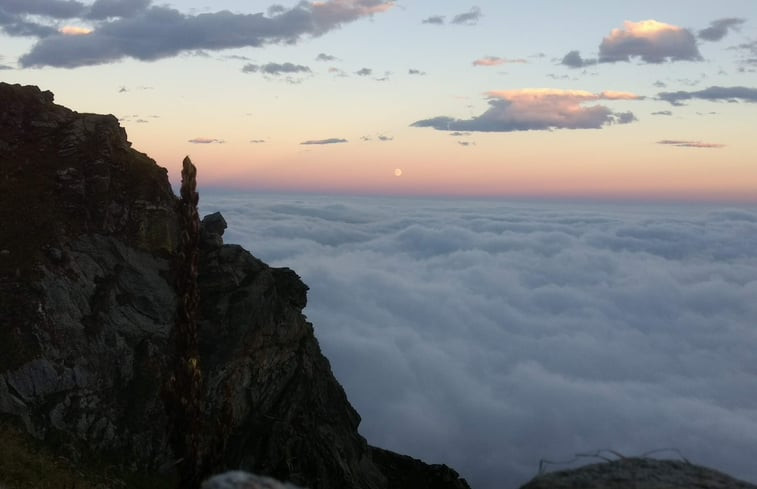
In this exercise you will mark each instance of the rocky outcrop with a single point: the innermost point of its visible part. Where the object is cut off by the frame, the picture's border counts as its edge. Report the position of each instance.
(638, 473)
(89, 298)
(404, 471)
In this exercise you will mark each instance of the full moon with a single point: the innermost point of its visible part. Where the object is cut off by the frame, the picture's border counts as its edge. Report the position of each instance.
(397, 172)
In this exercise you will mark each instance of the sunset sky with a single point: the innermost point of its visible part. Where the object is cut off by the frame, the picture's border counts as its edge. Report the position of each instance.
(627, 100)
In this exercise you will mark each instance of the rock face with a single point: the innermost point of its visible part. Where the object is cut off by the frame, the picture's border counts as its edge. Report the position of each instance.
(638, 473)
(88, 305)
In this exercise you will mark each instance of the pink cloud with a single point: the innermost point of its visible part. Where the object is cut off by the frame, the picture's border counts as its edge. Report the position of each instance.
(539, 109)
(70, 30)
(495, 60)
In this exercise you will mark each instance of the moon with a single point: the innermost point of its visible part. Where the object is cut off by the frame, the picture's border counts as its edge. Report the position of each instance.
(398, 172)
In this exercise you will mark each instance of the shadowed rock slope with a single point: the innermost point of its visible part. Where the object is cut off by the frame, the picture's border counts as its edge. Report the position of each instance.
(88, 303)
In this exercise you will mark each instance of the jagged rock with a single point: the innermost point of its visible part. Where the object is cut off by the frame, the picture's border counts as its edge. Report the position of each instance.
(88, 302)
(404, 471)
(638, 473)
(214, 223)
(211, 231)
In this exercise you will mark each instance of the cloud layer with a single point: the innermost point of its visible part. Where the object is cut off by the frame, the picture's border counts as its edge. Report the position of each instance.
(134, 29)
(538, 109)
(488, 335)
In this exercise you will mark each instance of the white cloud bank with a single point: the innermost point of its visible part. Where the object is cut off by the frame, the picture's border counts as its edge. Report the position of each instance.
(489, 335)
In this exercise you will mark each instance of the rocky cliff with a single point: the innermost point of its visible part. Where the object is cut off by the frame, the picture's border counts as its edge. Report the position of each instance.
(91, 273)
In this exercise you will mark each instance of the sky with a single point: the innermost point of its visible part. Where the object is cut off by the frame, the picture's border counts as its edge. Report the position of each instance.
(490, 335)
(642, 100)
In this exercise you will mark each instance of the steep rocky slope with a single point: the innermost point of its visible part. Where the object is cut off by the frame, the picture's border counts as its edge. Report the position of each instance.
(88, 310)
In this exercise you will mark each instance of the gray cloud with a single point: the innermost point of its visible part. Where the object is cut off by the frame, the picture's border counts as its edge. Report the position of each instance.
(574, 60)
(470, 17)
(714, 93)
(364, 72)
(412, 71)
(103, 9)
(325, 57)
(257, 141)
(719, 28)
(382, 137)
(275, 68)
(749, 50)
(466, 143)
(526, 330)
(325, 141)
(15, 25)
(275, 9)
(337, 72)
(651, 41)
(160, 32)
(624, 117)
(434, 19)
(689, 144)
(203, 140)
(58, 9)
(527, 110)
(663, 112)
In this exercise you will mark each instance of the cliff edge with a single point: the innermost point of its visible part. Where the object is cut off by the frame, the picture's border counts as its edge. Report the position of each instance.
(89, 249)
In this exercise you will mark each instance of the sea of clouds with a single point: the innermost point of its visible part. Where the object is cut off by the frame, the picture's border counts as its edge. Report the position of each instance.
(490, 335)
